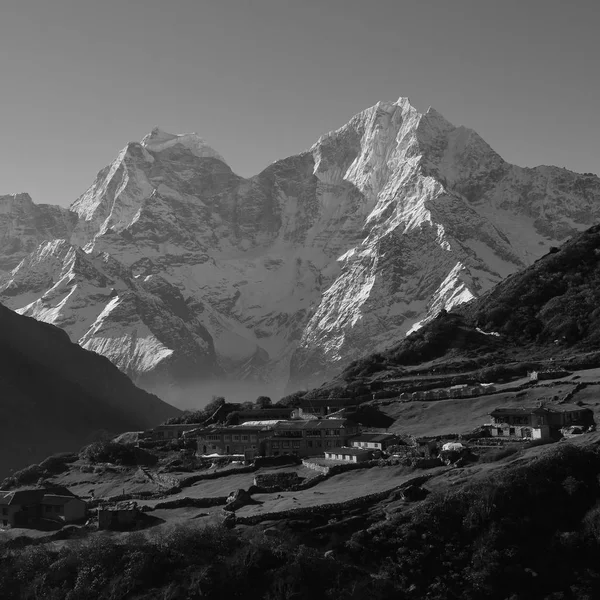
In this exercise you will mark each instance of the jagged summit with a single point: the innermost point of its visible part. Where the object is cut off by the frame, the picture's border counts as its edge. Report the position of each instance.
(158, 140)
(8, 201)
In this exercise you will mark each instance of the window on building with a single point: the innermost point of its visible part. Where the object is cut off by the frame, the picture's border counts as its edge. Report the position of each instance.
(285, 444)
(328, 443)
(500, 431)
(244, 438)
(227, 438)
(236, 438)
(337, 431)
(511, 431)
(319, 444)
(274, 444)
(309, 444)
(338, 443)
(295, 444)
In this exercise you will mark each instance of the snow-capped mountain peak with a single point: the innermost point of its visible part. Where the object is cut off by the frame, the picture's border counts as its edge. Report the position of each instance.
(319, 259)
(158, 140)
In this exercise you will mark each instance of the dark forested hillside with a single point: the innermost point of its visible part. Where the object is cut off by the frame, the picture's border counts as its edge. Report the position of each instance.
(529, 531)
(54, 395)
(553, 306)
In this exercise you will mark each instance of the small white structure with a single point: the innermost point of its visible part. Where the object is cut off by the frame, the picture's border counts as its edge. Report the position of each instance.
(349, 454)
(452, 447)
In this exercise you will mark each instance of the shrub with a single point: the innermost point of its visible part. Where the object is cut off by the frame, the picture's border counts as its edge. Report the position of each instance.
(498, 454)
(110, 452)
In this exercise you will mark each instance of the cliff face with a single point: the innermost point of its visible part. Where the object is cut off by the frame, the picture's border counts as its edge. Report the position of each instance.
(321, 258)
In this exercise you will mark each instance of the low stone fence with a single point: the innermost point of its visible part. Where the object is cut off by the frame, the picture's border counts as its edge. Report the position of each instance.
(336, 469)
(326, 508)
(316, 467)
(276, 461)
(191, 502)
(187, 481)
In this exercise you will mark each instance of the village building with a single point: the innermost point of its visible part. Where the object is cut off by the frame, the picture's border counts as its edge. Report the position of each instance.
(349, 454)
(309, 437)
(548, 374)
(301, 437)
(68, 509)
(26, 508)
(541, 422)
(246, 439)
(374, 441)
(121, 515)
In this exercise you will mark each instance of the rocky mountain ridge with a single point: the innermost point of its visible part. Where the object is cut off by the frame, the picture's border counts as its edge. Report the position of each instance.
(321, 258)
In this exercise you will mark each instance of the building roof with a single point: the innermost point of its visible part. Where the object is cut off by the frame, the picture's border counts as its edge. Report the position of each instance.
(374, 437)
(311, 424)
(517, 411)
(259, 424)
(564, 408)
(58, 500)
(523, 410)
(348, 451)
(21, 496)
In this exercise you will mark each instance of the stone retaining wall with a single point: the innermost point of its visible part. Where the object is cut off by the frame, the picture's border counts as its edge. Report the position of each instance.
(325, 508)
(187, 481)
(191, 502)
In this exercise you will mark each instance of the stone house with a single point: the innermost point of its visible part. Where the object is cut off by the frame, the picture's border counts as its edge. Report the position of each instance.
(26, 508)
(122, 515)
(68, 509)
(349, 454)
(374, 441)
(541, 422)
(548, 374)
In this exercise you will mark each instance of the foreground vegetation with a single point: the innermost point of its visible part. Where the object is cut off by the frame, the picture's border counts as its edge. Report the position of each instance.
(531, 531)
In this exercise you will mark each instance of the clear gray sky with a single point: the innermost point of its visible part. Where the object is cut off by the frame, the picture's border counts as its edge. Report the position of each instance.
(263, 79)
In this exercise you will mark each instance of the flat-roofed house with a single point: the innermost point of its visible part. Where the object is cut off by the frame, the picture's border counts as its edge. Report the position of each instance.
(374, 441)
(349, 454)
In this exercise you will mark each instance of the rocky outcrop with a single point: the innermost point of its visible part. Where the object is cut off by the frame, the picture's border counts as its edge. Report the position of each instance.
(318, 260)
